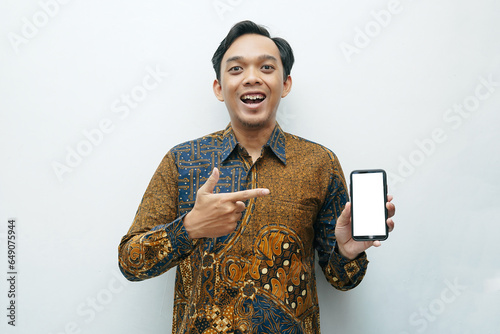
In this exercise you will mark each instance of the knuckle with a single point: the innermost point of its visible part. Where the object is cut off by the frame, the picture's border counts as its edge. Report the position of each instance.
(246, 195)
(229, 209)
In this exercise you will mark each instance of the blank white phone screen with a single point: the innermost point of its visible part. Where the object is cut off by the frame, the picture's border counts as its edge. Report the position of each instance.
(368, 204)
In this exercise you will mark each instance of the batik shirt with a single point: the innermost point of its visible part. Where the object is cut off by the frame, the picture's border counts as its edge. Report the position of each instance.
(259, 278)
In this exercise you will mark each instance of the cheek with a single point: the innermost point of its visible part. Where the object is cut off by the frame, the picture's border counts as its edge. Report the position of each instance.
(277, 85)
(230, 89)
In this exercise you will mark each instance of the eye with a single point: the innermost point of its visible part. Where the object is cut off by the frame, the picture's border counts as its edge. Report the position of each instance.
(268, 68)
(236, 69)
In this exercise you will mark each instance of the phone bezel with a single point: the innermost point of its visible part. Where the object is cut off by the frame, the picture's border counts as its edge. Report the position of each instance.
(369, 237)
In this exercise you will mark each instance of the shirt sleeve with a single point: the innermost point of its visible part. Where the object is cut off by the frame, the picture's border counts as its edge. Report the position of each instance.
(157, 239)
(342, 273)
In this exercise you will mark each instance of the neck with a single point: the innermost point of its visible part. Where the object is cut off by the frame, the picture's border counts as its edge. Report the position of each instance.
(253, 139)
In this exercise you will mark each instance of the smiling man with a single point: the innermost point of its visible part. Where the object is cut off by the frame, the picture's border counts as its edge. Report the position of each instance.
(242, 211)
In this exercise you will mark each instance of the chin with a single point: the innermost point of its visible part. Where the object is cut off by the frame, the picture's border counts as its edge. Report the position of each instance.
(253, 125)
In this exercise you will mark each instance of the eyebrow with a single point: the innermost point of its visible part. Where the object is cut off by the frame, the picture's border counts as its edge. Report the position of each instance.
(262, 57)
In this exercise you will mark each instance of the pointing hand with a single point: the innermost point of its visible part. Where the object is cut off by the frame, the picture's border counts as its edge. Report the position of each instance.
(216, 215)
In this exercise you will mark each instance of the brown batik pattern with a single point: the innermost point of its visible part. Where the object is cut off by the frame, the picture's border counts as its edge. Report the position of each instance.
(260, 278)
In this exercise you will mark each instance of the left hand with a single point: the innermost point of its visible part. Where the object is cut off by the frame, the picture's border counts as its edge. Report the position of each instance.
(347, 246)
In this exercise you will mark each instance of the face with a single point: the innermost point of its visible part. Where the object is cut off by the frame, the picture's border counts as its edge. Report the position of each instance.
(251, 82)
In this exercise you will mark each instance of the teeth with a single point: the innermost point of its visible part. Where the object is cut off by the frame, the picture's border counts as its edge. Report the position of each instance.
(253, 97)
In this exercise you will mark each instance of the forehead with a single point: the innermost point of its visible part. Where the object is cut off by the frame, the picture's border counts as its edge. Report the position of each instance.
(252, 47)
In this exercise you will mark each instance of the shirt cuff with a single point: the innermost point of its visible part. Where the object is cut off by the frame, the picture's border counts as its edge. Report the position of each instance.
(178, 236)
(353, 268)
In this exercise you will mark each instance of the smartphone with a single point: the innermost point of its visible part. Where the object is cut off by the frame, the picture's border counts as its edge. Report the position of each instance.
(368, 199)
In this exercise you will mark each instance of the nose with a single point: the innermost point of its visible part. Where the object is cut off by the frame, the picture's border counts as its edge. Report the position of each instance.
(252, 77)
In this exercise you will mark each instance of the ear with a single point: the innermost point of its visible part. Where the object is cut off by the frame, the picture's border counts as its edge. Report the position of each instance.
(287, 86)
(218, 90)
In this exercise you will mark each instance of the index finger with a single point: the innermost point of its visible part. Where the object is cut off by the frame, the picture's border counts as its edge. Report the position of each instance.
(244, 195)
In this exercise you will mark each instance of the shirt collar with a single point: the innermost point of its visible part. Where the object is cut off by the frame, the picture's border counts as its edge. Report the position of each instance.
(228, 142)
(276, 143)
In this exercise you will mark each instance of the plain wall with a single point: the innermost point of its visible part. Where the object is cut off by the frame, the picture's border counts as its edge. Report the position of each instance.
(412, 87)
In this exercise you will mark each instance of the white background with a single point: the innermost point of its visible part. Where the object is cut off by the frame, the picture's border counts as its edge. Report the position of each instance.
(387, 105)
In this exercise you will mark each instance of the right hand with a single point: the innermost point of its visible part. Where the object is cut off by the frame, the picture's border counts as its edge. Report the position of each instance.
(216, 215)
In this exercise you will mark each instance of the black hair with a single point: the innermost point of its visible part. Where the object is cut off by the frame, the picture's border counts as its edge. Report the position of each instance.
(249, 27)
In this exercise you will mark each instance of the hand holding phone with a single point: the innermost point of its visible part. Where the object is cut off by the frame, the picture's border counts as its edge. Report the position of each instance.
(368, 205)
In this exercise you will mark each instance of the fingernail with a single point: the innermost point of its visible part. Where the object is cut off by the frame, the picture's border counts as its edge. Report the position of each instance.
(265, 191)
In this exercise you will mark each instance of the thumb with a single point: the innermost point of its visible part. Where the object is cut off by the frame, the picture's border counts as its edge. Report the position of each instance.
(209, 185)
(345, 216)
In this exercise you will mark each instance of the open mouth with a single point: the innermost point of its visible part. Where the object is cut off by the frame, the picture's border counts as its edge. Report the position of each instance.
(252, 98)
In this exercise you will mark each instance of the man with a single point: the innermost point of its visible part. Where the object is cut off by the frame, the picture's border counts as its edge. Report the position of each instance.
(240, 212)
